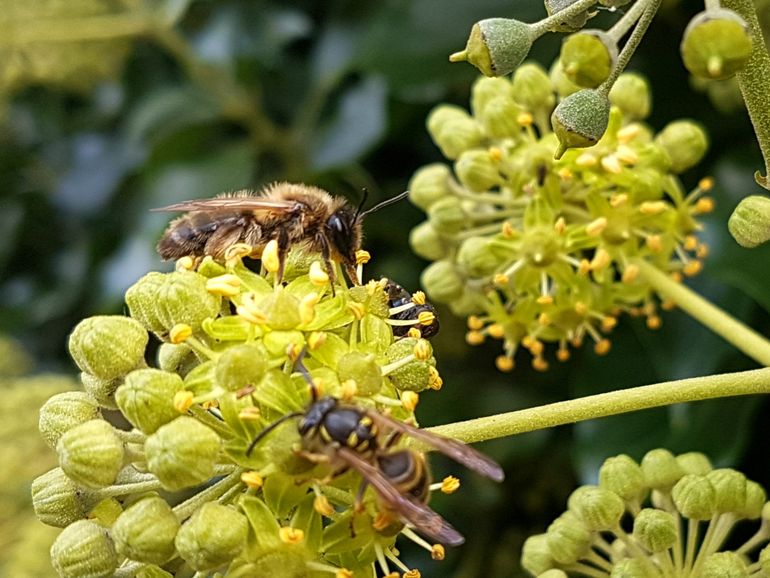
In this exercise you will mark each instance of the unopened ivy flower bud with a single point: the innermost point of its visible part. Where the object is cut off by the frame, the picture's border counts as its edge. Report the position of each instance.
(684, 143)
(655, 529)
(568, 539)
(91, 453)
(580, 119)
(447, 216)
(108, 346)
(750, 222)
(629, 568)
(724, 565)
(500, 119)
(477, 171)
(63, 411)
(587, 57)
(623, 476)
(182, 453)
(146, 398)
(496, 46)
(453, 130)
(363, 369)
(146, 530)
(426, 242)
(477, 257)
(716, 44)
(57, 500)
(429, 184)
(536, 555)
(102, 391)
(214, 535)
(84, 549)
(597, 508)
(442, 282)
(631, 94)
(532, 88)
(694, 463)
(694, 497)
(661, 470)
(730, 488)
(161, 300)
(241, 365)
(755, 501)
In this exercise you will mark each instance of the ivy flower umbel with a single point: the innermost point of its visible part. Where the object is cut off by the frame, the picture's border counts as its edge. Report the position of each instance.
(538, 250)
(229, 340)
(667, 516)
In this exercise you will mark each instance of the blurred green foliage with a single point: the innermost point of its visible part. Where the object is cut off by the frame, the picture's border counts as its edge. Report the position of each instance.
(111, 108)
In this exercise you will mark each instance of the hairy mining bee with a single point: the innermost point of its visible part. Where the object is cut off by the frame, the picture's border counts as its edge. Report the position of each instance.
(348, 436)
(404, 307)
(289, 213)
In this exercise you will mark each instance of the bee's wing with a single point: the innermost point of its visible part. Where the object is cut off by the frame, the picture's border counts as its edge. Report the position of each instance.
(458, 451)
(417, 514)
(236, 203)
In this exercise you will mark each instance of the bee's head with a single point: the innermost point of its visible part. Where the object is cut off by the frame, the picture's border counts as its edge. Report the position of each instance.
(343, 229)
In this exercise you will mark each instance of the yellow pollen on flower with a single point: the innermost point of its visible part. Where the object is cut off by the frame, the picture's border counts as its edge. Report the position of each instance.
(586, 160)
(318, 385)
(706, 184)
(210, 404)
(652, 208)
(183, 399)
(565, 174)
(185, 263)
(270, 259)
(602, 347)
(601, 260)
(536, 347)
(690, 243)
(316, 339)
(562, 354)
(236, 252)
(504, 363)
(527, 341)
(560, 225)
(544, 319)
(584, 267)
(322, 506)
(539, 364)
(363, 257)
(508, 230)
(525, 119)
(413, 573)
(449, 485)
(692, 268)
(293, 351)
(381, 521)
(611, 164)
(357, 309)
(437, 552)
(627, 155)
(702, 251)
(418, 298)
(343, 573)
(317, 274)
(227, 285)
(289, 535)
(654, 322)
(496, 331)
(426, 317)
(252, 480)
(667, 305)
(500, 279)
(608, 323)
(249, 311)
(618, 200)
(596, 227)
(704, 205)
(654, 243)
(410, 399)
(414, 333)
(392, 574)
(544, 300)
(496, 154)
(628, 133)
(307, 307)
(474, 322)
(348, 389)
(676, 276)
(576, 341)
(180, 333)
(474, 338)
(434, 379)
(630, 274)
(250, 413)
(581, 308)
(422, 350)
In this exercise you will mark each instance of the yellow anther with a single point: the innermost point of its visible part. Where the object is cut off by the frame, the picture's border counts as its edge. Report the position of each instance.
(692, 268)
(609, 323)
(676, 276)
(422, 350)
(210, 404)
(581, 308)
(630, 273)
(539, 364)
(252, 480)
(348, 389)
(702, 251)
(611, 164)
(409, 399)
(363, 257)
(560, 226)
(413, 573)
(654, 243)
(426, 317)
(307, 307)
(562, 354)
(236, 252)
(627, 155)
(653, 207)
(450, 484)
(414, 333)
(596, 227)
(628, 133)
(437, 552)
(249, 311)
(544, 319)
(576, 341)
(667, 305)
(602, 347)
(584, 267)
(434, 380)
(496, 331)
(690, 243)
(391, 574)
(496, 154)
(183, 399)
(654, 322)
(618, 200)
(565, 174)
(475, 323)
(227, 285)
(250, 413)
(381, 521)
(270, 259)
(544, 300)
(504, 363)
(586, 160)
(357, 309)
(500, 279)
(318, 385)
(315, 340)
(525, 119)
(418, 298)
(704, 205)
(185, 263)
(291, 535)
(343, 573)
(508, 231)
(180, 333)
(474, 338)
(601, 260)
(706, 184)
(317, 274)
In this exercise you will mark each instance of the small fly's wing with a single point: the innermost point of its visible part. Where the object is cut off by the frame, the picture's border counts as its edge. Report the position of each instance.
(235, 203)
(458, 451)
(417, 514)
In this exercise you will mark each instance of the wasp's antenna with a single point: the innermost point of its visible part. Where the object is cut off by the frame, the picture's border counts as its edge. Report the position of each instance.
(300, 366)
(361, 203)
(261, 435)
(385, 203)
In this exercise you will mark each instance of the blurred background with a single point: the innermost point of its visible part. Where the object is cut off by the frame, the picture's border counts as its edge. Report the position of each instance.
(109, 108)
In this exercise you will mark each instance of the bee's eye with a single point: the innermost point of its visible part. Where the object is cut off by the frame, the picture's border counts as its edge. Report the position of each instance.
(336, 224)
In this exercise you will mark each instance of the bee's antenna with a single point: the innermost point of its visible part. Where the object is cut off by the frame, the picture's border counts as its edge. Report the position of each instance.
(361, 203)
(385, 203)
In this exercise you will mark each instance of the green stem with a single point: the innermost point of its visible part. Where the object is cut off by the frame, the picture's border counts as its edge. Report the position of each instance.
(752, 382)
(622, 26)
(551, 23)
(733, 331)
(754, 81)
(213, 492)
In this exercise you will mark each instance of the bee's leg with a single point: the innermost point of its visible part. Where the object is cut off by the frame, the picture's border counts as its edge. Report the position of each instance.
(326, 256)
(350, 268)
(283, 250)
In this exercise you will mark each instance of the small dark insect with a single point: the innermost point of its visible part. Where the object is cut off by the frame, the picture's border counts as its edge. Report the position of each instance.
(348, 436)
(398, 298)
(290, 213)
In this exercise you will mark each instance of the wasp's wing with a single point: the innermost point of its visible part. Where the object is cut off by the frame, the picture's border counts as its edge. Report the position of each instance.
(235, 203)
(458, 451)
(415, 513)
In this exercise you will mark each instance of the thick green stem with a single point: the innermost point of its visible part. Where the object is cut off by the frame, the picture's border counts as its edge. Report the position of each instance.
(754, 81)
(551, 23)
(730, 329)
(605, 404)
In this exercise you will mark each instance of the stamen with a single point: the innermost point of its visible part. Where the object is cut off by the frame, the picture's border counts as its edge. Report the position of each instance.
(307, 307)
(595, 227)
(316, 339)
(322, 506)
(270, 260)
(183, 400)
(410, 399)
(180, 333)
(185, 263)
(252, 480)
(611, 164)
(652, 208)
(317, 274)
(418, 297)
(236, 252)
(250, 413)
(227, 285)
(289, 535)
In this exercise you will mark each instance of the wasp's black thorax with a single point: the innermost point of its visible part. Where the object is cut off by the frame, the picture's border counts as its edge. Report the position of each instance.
(326, 422)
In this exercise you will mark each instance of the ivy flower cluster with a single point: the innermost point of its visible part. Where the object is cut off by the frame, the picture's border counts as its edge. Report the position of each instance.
(534, 249)
(178, 493)
(666, 516)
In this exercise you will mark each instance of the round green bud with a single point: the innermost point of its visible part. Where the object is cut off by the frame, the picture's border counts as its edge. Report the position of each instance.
(695, 497)
(442, 282)
(661, 470)
(553, 573)
(629, 568)
(568, 539)
(571, 24)
(587, 57)
(84, 550)
(145, 532)
(684, 142)
(631, 94)
(536, 555)
(108, 346)
(477, 258)
(500, 120)
(623, 476)
(469, 302)
(755, 501)
(532, 88)
(153, 572)
(415, 375)
(724, 565)
(58, 501)
(363, 369)
(485, 90)
(426, 242)
(182, 453)
(102, 391)
(477, 170)
(562, 85)
(214, 535)
(429, 184)
(91, 453)
(730, 488)
(764, 560)
(444, 114)
(694, 463)
(281, 309)
(750, 222)
(597, 508)
(580, 120)
(173, 356)
(63, 411)
(453, 130)
(241, 365)
(496, 46)
(716, 44)
(447, 216)
(655, 529)
(161, 300)
(147, 398)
